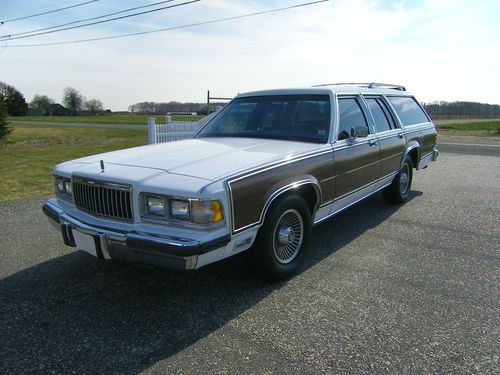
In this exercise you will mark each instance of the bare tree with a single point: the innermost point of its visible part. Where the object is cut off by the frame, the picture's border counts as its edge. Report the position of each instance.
(72, 99)
(94, 106)
(42, 102)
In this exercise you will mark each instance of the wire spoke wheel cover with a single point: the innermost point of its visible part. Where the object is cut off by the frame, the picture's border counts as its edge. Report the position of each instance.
(404, 178)
(288, 236)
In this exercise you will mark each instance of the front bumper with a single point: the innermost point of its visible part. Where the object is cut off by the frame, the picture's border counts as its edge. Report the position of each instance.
(131, 246)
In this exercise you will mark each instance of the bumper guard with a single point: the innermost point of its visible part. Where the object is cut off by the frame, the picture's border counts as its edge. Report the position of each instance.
(135, 247)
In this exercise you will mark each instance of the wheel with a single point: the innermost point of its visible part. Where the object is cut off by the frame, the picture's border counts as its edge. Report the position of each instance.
(399, 190)
(283, 240)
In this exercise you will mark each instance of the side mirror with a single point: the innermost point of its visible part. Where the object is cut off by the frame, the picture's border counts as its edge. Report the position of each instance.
(358, 132)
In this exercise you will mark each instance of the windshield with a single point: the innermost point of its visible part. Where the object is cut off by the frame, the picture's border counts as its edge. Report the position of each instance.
(304, 118)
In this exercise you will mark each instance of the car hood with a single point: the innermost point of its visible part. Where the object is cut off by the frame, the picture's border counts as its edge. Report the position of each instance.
(204, 158)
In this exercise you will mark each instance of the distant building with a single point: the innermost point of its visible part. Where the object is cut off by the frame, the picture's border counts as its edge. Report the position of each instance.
(58, 110)
(34, 112)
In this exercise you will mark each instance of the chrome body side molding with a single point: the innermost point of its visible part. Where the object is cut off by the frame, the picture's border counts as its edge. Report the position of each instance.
(348, 200)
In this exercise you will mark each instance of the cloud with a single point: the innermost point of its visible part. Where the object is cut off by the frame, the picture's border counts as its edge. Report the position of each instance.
(446, 50)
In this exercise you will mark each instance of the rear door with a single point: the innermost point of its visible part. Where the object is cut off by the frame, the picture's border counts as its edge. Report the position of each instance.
(390, 136)
(357, 162)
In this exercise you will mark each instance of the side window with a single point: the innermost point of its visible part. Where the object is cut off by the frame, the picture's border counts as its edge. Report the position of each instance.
(350, 116)
(388, 114)
(408, 110)
(383, 120)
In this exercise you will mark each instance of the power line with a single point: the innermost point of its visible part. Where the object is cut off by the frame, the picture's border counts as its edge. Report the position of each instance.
(50, 11)
(104, 21)
(86, 19)
(170, 28)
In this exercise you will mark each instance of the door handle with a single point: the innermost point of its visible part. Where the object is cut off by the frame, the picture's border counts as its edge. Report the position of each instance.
(400, 135)
(372, 142)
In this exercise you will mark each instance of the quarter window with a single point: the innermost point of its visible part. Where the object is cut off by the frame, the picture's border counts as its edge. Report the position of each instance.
(381, 116)
(408, 110)
(350, 116)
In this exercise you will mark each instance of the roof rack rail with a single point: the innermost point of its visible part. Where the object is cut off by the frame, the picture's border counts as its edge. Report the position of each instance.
(369, 85)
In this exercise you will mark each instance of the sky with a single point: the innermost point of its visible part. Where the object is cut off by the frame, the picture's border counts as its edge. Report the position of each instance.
(439, 49)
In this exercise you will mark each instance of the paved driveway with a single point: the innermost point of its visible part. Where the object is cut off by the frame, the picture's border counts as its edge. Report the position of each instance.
(387, 289)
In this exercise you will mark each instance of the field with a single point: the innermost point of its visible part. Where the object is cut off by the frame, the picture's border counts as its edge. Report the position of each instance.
(488, 128)
(31, 151)
(27, 158)
(112, 119)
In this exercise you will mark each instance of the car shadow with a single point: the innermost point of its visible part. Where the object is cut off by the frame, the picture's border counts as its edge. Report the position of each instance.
(78, 314)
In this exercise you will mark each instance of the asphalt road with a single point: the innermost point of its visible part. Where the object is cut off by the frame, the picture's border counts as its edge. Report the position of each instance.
(469, 146)
(79, 125)
(386, 289)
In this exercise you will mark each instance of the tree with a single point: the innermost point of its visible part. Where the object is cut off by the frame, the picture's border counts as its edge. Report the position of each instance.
(72, 99)
(42, 102)
(94, 106)
(14, 101)
(4, 128)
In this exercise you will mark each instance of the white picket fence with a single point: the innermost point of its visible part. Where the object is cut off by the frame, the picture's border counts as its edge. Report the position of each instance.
(171, 131)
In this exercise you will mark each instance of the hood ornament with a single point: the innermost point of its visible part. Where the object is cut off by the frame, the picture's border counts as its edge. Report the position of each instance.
(102, 166)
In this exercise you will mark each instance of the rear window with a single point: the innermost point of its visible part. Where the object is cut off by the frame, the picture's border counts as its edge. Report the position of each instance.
(408, 110)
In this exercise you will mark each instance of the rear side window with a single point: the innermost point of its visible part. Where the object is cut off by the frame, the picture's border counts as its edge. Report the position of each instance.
(350, 115)
(381, 115)
(408, 110)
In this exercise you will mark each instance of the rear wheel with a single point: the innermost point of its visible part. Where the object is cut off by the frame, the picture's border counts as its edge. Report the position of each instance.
(399, 190)
(283, 240)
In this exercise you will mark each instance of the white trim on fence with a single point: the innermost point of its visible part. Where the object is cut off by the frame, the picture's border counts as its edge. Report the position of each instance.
(171, 131)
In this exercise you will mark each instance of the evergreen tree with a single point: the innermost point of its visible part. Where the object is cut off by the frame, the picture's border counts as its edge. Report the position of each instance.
(4, 128)
(14, 101)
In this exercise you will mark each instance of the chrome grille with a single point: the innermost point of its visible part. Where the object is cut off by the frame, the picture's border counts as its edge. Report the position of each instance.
(103, 199)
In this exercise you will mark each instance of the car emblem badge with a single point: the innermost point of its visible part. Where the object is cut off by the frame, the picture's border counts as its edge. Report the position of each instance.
(102, 166)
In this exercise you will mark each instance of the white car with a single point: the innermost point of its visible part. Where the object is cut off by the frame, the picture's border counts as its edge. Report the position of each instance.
(266, 168)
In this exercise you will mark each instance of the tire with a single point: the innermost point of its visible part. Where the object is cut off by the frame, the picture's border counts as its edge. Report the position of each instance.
(399, 190)
(283, 240)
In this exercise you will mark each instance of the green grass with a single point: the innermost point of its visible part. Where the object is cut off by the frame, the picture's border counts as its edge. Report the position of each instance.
(30, 153)
(112, 119)
(493, 126)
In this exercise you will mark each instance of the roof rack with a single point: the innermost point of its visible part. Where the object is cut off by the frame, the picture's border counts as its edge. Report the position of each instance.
(369, 85)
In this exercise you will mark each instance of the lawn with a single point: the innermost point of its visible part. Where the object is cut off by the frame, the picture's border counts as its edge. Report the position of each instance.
(491, 126)
(31, 152)
(112, 119)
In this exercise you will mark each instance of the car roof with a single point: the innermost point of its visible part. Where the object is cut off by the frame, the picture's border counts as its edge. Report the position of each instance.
(362, 88)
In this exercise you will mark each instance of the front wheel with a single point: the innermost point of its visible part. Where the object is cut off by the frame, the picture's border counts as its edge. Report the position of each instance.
(283, 240)
(399, 190)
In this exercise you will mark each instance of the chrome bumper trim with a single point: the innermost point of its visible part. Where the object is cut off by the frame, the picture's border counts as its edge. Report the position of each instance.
(139, 247)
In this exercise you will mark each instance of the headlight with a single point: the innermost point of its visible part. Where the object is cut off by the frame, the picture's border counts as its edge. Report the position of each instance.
(196, 211)
(179, 209)
(155, 205)
(59, 185)
(63, 187)
(68, 188)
